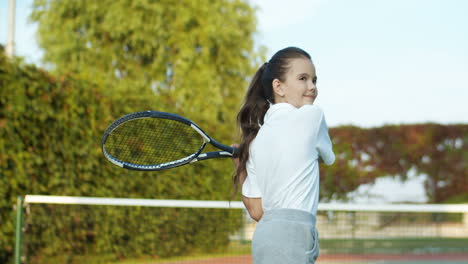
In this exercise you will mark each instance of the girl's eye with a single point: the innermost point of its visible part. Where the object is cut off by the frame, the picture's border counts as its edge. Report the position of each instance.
(303, 78)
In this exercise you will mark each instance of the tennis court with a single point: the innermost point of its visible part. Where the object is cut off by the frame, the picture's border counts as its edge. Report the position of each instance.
(339, 259)
(104, 230)
(346, 259)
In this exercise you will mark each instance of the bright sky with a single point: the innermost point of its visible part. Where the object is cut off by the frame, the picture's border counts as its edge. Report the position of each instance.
(378, 62)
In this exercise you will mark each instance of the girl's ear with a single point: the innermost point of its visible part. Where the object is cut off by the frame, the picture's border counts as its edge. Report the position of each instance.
(278, 87)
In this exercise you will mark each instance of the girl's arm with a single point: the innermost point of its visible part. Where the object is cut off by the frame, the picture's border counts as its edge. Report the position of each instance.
(253, 205)
(324, 144)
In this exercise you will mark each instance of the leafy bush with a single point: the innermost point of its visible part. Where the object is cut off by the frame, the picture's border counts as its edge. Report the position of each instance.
(51, 129)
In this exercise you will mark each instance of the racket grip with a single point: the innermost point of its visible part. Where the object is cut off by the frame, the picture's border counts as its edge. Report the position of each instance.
(235, 152)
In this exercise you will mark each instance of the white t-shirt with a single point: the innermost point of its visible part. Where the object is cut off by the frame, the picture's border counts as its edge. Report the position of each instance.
(283, 166)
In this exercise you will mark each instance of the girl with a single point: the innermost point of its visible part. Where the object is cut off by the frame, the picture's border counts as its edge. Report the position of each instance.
(283, 137)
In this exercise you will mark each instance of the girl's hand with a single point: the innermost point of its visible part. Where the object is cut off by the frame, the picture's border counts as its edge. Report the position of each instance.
(235, 161)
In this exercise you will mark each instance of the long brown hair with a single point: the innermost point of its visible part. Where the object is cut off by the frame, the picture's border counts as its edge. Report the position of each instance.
(257, 101)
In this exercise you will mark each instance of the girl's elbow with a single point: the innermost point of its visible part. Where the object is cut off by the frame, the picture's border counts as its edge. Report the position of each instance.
(256, 214)
(254, 207)
(330, 160)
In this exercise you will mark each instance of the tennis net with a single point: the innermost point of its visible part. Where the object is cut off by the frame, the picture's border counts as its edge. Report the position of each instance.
(63, 229)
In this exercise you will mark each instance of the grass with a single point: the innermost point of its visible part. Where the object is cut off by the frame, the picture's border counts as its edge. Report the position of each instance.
(235, 248)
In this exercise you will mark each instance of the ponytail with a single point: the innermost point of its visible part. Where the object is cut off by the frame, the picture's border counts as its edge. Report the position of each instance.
(250, 118)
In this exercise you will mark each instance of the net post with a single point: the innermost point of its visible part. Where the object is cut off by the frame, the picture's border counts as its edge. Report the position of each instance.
(18, 229)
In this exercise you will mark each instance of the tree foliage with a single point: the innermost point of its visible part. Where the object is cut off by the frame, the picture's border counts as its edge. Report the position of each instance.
(51, 128)
(438, 151)
(109, 58)
(193, 56)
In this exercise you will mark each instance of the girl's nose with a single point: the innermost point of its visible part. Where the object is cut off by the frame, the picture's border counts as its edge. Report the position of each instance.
(312, 86)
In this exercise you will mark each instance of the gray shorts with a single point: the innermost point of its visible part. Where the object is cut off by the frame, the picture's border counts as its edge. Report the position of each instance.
(285, 236)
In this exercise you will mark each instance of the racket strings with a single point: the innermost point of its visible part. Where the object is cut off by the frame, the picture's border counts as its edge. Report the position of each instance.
(152, 141)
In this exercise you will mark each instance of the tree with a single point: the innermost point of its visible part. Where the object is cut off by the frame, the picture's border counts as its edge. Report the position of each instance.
(50, 134)
(438, 151)
(108, 58)
(192, 58)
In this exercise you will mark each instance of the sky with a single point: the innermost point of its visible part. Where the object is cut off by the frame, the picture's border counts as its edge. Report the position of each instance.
(378, 61)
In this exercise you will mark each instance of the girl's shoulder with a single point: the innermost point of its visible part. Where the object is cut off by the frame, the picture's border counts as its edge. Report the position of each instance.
(310, 107)
(310, 112)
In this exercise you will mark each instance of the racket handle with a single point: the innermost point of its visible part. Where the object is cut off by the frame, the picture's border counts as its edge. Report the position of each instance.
(235, 152)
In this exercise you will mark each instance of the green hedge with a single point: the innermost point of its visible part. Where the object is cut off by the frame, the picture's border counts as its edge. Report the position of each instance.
(50, 134)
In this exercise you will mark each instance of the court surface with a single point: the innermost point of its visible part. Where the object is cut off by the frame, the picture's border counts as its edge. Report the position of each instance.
(347, 259)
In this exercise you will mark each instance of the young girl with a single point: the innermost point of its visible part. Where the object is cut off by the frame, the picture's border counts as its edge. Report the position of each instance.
(283, 138)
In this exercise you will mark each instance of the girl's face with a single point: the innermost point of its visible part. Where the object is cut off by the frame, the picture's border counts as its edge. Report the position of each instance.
(299, 87)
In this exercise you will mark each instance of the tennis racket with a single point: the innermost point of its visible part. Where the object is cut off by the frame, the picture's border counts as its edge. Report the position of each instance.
(152, 141)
